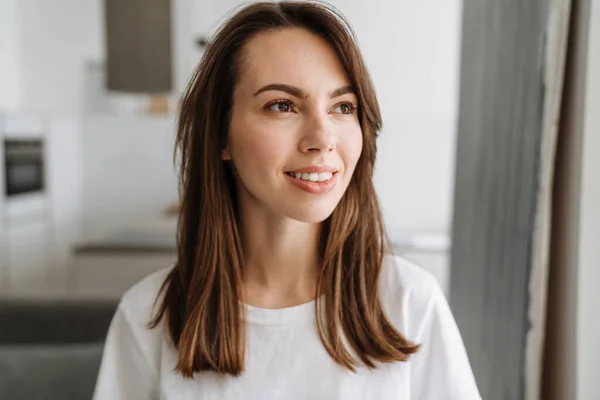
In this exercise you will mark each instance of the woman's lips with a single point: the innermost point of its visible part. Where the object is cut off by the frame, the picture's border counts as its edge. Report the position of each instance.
(314, 169)
(314, 187)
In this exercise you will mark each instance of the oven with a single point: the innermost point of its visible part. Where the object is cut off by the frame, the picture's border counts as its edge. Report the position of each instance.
(23, 166)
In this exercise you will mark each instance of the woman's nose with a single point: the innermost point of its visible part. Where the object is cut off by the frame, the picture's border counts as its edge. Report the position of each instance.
(317, 135)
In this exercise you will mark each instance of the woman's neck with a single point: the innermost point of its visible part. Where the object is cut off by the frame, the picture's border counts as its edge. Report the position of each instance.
(281, 261)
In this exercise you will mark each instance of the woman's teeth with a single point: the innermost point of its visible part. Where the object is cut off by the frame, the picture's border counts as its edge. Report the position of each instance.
(313, 177)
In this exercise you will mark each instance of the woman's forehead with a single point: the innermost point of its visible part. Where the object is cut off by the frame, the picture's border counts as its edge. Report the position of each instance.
(291, 56)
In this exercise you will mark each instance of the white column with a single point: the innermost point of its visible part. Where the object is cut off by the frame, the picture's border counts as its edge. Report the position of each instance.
(9, 56)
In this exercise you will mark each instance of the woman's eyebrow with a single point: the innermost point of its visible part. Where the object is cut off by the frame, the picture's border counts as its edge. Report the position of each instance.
(299, 93)
(342, 91)
(282, 87)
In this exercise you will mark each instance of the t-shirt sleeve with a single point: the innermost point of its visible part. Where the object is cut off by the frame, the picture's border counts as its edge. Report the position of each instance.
(441, 368)
(125, 370)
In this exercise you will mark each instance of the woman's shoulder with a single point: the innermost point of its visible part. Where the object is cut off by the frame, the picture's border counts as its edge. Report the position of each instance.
(407, 293)
(138, 302)
(401, 275)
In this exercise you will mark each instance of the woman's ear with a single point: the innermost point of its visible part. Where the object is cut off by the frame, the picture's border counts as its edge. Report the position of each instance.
(225, 156)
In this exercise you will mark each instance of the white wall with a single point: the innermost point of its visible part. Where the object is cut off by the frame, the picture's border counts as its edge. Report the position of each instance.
(588, 300)
(414, 175)
(184, 47)
(56, 38)
(9, 56)
(128, 174)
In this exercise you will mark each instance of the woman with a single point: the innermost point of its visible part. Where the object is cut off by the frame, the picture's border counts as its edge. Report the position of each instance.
(281, 289)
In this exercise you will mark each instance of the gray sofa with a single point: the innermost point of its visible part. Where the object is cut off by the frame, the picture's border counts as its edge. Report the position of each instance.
(51, 349)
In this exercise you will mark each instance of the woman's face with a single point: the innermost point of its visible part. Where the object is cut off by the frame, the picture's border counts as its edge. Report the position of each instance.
(294, 135)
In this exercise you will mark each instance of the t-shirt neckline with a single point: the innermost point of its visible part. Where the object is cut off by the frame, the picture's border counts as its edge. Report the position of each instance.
(301, 313)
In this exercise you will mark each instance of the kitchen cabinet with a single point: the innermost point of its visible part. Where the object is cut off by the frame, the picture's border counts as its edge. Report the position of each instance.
(27, 220)
(27, 255)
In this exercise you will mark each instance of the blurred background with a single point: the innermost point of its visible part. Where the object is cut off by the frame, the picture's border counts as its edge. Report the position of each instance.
(98, 82)
(88, 201)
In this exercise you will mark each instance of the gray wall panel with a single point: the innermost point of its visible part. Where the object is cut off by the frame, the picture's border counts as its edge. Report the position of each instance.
(499, 134)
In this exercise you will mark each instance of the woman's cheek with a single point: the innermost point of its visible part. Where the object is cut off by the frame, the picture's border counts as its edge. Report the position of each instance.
(351, 145)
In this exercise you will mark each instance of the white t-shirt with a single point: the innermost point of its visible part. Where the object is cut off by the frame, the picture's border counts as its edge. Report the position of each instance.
(285, 358)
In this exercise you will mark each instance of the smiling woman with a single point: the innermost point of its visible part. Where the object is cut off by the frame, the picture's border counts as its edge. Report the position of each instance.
(288, 110)
(281, 287)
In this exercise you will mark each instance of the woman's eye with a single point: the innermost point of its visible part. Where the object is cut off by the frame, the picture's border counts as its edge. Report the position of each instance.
(280, 106)
(345, 108)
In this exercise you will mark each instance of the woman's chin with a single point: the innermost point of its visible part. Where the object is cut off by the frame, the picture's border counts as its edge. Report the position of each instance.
(310, 215)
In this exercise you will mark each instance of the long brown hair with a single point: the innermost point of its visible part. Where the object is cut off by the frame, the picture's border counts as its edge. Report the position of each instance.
(201, 295)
